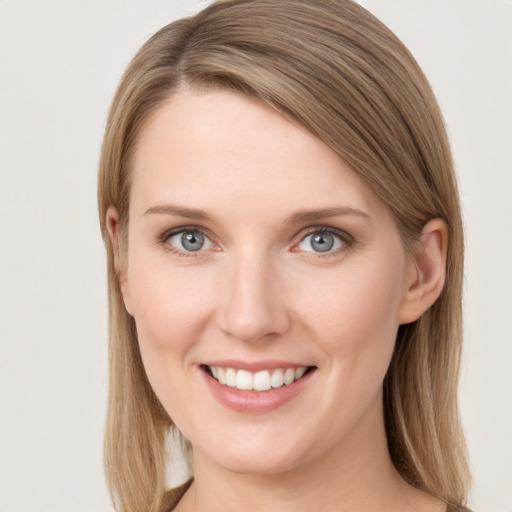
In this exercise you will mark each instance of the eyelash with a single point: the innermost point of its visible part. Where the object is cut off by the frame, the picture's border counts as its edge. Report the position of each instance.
(346, 239)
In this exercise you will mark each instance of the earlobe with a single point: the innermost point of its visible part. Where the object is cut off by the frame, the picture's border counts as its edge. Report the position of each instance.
(113, 227)
(428, 272)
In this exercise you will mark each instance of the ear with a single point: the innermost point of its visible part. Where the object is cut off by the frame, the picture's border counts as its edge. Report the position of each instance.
(427, 272)
(113, 227)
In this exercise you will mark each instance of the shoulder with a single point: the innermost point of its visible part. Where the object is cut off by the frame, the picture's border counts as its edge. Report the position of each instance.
(454, 508)
(173, 496)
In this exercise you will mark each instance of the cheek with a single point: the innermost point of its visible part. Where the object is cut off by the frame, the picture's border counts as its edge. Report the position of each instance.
(355, 314)
(169, 305)
(354, 323)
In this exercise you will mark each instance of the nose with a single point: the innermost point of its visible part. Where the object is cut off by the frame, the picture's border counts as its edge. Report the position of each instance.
(253, 303)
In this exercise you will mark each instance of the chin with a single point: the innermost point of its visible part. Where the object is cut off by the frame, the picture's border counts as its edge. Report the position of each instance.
(261, 457)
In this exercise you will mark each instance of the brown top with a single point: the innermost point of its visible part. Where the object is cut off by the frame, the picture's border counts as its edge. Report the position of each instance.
(173, 496)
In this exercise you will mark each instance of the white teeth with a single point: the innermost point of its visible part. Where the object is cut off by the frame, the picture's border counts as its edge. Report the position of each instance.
(230, 377)
(263, 380)
(244, 380)
(299, 372)
(277, 378)
(289, 376)
(221, 375)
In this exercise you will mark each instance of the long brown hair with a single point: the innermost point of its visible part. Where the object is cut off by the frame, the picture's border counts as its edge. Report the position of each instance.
(339, 72)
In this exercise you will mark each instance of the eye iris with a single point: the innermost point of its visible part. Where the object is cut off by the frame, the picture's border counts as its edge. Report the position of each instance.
(322, 242)
(192, 240)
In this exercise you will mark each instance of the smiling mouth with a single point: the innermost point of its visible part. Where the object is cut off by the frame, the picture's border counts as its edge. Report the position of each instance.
(263, 380)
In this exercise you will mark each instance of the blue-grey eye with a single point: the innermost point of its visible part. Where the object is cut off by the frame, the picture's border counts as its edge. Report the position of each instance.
(190, 240)
(320, 241)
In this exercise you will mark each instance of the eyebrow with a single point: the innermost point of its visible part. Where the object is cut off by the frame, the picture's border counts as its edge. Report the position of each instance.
(295, 218)
(170, 209)
(323, 213)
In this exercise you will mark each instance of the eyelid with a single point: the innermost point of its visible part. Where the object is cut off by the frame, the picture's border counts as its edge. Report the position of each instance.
(180, 229)
(344, 235)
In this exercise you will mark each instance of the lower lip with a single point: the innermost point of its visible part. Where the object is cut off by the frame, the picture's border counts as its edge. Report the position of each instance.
(255, 401)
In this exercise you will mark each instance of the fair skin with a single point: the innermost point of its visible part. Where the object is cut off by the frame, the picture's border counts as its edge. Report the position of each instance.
(253, 246)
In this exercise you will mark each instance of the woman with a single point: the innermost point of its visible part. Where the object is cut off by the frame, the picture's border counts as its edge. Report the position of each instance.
(284, 241)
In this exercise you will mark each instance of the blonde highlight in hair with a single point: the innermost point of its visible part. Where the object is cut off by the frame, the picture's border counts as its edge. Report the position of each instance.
(330, 66)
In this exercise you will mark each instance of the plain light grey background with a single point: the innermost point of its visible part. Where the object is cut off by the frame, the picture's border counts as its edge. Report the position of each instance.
(60, 61)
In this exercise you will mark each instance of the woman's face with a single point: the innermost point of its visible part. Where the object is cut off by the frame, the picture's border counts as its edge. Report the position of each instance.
(256, 255)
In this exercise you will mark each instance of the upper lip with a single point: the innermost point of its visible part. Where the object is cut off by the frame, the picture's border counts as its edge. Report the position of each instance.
(254, 366)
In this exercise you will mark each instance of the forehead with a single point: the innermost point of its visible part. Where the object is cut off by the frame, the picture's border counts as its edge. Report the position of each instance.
(219, 149)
